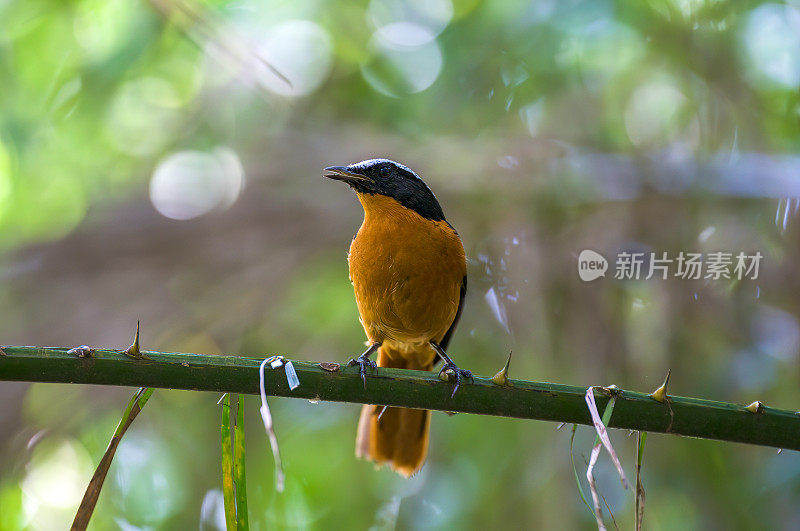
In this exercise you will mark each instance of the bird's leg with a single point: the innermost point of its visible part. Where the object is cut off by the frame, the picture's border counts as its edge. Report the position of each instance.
(363, 361)
(449, 365)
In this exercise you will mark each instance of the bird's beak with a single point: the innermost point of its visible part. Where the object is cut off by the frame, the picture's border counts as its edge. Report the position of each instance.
(341, 173)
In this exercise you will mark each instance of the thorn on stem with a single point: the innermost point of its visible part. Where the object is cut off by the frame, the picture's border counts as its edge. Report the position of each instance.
(501, 378)
(660, 394)
(133, 350)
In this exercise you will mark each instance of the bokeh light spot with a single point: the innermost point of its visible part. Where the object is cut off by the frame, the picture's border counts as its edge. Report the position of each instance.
(300, 50)
(143, 116)
(400, 65)
(431, 15)
(402, 35)
(148, 478)
(772, 42)
(55, 480)
(189, 184)
(656, 116)
(776, 333)
(212, 511)
(532, 115)
(101, 25)
(58, 473)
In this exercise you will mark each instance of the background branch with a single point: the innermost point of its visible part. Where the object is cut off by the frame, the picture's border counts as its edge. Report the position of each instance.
(416, 389)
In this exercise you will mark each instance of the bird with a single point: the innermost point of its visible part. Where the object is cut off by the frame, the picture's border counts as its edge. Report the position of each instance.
(409, 274)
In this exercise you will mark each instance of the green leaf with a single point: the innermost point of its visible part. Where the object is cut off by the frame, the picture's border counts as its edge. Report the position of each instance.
(640, 496)
(575, 470)
(642, 439)
(145, 396)
(228, 489)
(238, 467)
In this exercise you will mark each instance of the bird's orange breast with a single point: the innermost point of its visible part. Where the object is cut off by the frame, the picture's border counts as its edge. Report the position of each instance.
(406, 272)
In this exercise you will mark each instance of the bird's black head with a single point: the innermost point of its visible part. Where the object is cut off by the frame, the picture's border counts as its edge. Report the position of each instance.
(386, 177)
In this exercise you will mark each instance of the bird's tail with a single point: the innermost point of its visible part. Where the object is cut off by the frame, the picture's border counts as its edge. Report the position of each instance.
(393, 435)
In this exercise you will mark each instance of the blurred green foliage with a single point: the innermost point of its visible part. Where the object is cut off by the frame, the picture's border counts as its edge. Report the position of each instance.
(151, 166)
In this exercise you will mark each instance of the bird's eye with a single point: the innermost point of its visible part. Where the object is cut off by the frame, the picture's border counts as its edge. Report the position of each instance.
(384, 171)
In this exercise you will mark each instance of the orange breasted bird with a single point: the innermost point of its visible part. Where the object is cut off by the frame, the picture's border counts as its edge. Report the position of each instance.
(409, 274)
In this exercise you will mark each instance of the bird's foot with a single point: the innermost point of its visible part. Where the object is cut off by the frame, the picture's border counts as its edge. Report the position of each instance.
(450, 371)
(363, 362)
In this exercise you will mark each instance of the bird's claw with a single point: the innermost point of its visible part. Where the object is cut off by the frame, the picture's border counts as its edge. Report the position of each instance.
(450, 370)
(363, 362)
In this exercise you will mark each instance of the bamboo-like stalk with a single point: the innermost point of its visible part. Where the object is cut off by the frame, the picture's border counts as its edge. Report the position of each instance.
(415, 389)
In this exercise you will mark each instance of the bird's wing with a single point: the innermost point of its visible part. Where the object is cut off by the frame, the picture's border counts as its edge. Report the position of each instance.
(449, 334)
